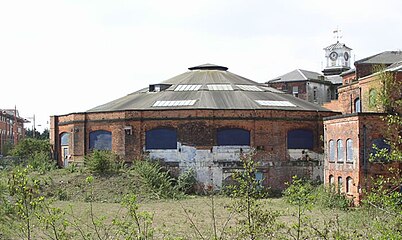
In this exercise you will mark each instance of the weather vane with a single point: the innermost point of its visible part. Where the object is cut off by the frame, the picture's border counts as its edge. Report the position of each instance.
(337, 34)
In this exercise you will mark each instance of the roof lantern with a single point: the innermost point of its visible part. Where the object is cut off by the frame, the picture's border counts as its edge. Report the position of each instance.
(208, 66)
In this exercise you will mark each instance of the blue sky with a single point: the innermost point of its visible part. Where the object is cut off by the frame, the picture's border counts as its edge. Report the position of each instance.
(58, 57)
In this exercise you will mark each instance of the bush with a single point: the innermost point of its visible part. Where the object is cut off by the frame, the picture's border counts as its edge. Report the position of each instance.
(187, 181)
(327, 197)
(36, 153)
(102, 162)
(29, 147)
(156, 179)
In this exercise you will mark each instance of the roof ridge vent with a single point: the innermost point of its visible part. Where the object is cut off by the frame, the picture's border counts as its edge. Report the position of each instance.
(208, 66)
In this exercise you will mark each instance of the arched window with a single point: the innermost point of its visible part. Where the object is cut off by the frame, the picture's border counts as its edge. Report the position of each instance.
(161, 138)
(331, 146)
(340, 150)
(372, 97)
(349, 150)
(300, 139)
(233, 137)
(65, 139)
(331, 180)
(100, 140)
(357, 105)
(340, 185)
(349, 184)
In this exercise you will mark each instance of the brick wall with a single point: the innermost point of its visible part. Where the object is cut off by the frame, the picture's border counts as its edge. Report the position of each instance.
(196, 129)
(362, 129)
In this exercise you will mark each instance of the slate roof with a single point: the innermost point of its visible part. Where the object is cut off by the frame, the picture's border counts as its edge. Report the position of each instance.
(240, 93)
(336, 45)
(298, 75)
(387, 57)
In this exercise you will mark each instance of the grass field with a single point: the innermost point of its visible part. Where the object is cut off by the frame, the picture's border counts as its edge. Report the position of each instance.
(189, 217)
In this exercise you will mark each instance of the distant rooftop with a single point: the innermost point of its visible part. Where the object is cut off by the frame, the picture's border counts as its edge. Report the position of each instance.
(387, 57)
(298, 75)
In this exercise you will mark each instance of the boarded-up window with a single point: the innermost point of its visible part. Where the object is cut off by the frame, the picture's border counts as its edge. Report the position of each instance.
(233, 137)
(300, 139)
(331, 146)
(161, 138)
(379, 144)
(340, 150)
(100, 140)
(349, 150)
(65, 139)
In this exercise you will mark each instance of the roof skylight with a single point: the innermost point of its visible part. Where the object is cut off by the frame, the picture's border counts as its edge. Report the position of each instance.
(192, 87)
(275, 103)
(174, 103)
(220, 87)
(249, 88)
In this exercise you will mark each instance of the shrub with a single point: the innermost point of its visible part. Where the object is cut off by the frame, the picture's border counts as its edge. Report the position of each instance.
(101, 162)
(187, 181)
(156, 179)
(36, 153)
(327, 197)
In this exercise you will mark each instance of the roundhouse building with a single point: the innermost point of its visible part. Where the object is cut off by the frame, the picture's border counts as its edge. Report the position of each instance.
(203, 119)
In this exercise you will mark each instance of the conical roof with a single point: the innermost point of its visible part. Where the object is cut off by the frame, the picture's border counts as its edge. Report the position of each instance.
(207, 86)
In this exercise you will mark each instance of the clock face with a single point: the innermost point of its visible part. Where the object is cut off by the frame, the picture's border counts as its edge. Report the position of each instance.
(333, 56)
(346, 56)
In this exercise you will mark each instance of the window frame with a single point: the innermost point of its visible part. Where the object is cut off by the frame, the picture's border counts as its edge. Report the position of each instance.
(349, 151)
(331, 150)
(339, 154)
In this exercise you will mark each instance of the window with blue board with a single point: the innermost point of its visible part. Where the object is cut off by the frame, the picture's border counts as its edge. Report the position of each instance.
(233, 137)
(100, 140)
(300, 139)
(161, 138)
(65, 139)
(378, 145)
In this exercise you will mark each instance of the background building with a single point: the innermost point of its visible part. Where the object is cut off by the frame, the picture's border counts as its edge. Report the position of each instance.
(11, 128)
(349, 137)
(315, 87)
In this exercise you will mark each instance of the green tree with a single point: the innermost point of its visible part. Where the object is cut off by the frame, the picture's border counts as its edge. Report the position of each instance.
(26, 195)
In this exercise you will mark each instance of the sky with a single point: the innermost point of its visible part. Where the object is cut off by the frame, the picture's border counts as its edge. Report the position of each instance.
(60, 57)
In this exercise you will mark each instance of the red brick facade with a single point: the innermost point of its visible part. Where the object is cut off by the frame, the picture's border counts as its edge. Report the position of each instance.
(362, 122)
(11, 129)
(268, 133)
(362, 129)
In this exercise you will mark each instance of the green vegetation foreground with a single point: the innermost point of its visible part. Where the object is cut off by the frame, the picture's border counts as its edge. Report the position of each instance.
(106, 200)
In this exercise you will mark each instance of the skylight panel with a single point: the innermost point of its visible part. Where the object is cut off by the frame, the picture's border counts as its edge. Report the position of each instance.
(249, 88)
(275, 103)
(220, 87)
(174, 103)
(186, 87)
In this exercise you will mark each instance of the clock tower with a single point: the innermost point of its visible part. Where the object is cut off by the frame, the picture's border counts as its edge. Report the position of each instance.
(337, 57)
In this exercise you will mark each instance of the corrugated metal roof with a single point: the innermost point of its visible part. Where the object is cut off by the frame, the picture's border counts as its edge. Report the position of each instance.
(238, 98)
(387, 57)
